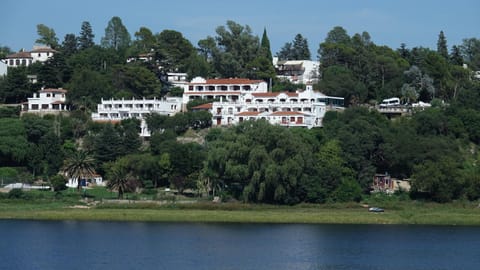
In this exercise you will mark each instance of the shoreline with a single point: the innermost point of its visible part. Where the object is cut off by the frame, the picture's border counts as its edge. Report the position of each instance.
(438, 215)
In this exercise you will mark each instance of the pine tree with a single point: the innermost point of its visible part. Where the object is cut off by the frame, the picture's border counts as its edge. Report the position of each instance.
(69, 45)
(85, 40)
(300, 47)
(442, 45)
(456, 56)
(265, 45)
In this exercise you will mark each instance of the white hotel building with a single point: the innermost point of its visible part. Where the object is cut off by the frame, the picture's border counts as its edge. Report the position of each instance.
(115, 110)
(236, 100)
(242, 99)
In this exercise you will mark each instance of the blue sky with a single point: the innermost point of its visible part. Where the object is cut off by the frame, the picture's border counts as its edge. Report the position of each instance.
(389, 22)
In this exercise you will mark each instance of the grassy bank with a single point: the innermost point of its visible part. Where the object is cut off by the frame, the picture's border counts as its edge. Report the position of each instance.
(403, 213)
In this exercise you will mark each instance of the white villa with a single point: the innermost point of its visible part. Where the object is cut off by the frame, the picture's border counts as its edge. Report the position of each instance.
(24, 58)
(303, 108)
(47, 101)
(297, 71)
(115, 110)
(225, 89)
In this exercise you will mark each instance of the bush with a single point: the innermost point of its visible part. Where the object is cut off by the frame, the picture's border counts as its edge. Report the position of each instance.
(16, 193)
(58, 182)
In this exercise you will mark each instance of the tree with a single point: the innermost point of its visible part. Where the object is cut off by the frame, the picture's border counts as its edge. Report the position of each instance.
(456, 56)
(120, 179)
(87, 87)
(85, 40)
(442, 45)
(116, 35)
(174, 51)
(69, 44)
(300, 47)
(265, 46)
(14, 146)
(471, 52)
(15, 87)
(58, 182)
(144, 40)
(4, 51)
(79, 166)
(296, 50)
(136, 81)
(438, 180)
(417, 86)
(336, 49)
(236, 46)
(47, 36)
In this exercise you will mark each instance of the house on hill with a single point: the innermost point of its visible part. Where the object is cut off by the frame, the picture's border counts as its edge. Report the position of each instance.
(47, 101)
(26, 58)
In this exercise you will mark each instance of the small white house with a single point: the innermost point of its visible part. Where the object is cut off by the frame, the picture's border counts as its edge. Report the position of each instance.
(47, 101)
(94, 180)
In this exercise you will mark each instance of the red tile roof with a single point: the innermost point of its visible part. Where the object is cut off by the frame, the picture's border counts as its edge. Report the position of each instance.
(52, 90)
(204, 106)
(280, 113)
(19, 55)
(231, 81)
(248, 113)
(274, 94)
(43, 49)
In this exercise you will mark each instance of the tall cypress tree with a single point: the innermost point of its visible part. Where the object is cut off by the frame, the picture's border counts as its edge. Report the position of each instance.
(442, 45)
(265, 46)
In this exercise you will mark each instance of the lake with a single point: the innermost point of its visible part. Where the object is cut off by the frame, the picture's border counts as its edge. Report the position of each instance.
(138, 245)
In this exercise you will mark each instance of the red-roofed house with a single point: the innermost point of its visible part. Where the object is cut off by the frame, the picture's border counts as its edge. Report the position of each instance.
(24, 58)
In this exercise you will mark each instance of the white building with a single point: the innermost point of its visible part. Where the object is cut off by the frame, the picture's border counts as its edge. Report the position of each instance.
(95, 180)
(47, 101)
(293, 109)
(115, 110)
(297, 71)
(3, 67)
(23, 58)
(177, 79)
(224, 89)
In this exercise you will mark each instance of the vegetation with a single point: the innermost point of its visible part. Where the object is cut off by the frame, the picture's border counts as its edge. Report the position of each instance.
(254, 162)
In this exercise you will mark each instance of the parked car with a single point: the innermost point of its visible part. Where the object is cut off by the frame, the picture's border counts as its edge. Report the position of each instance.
(375, 209)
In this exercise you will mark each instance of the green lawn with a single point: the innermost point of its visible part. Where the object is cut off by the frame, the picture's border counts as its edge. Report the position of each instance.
(70, 206)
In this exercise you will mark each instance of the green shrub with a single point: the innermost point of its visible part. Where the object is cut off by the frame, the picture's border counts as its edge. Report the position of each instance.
(58, 182)
(16, 193)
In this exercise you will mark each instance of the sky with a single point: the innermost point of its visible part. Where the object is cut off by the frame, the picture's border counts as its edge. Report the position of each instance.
(389, 22)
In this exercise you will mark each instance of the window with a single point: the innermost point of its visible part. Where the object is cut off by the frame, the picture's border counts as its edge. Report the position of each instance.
(39, 54)
(17, 62)
(48, 94)
(24, 62)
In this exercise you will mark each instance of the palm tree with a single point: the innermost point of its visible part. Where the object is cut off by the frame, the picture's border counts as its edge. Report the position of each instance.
(79, 165)
(120, 179)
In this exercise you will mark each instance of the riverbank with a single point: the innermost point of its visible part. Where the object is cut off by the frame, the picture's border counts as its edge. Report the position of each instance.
(403, 213)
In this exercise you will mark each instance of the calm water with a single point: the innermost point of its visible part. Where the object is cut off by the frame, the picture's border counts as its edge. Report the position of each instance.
(115, 245)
